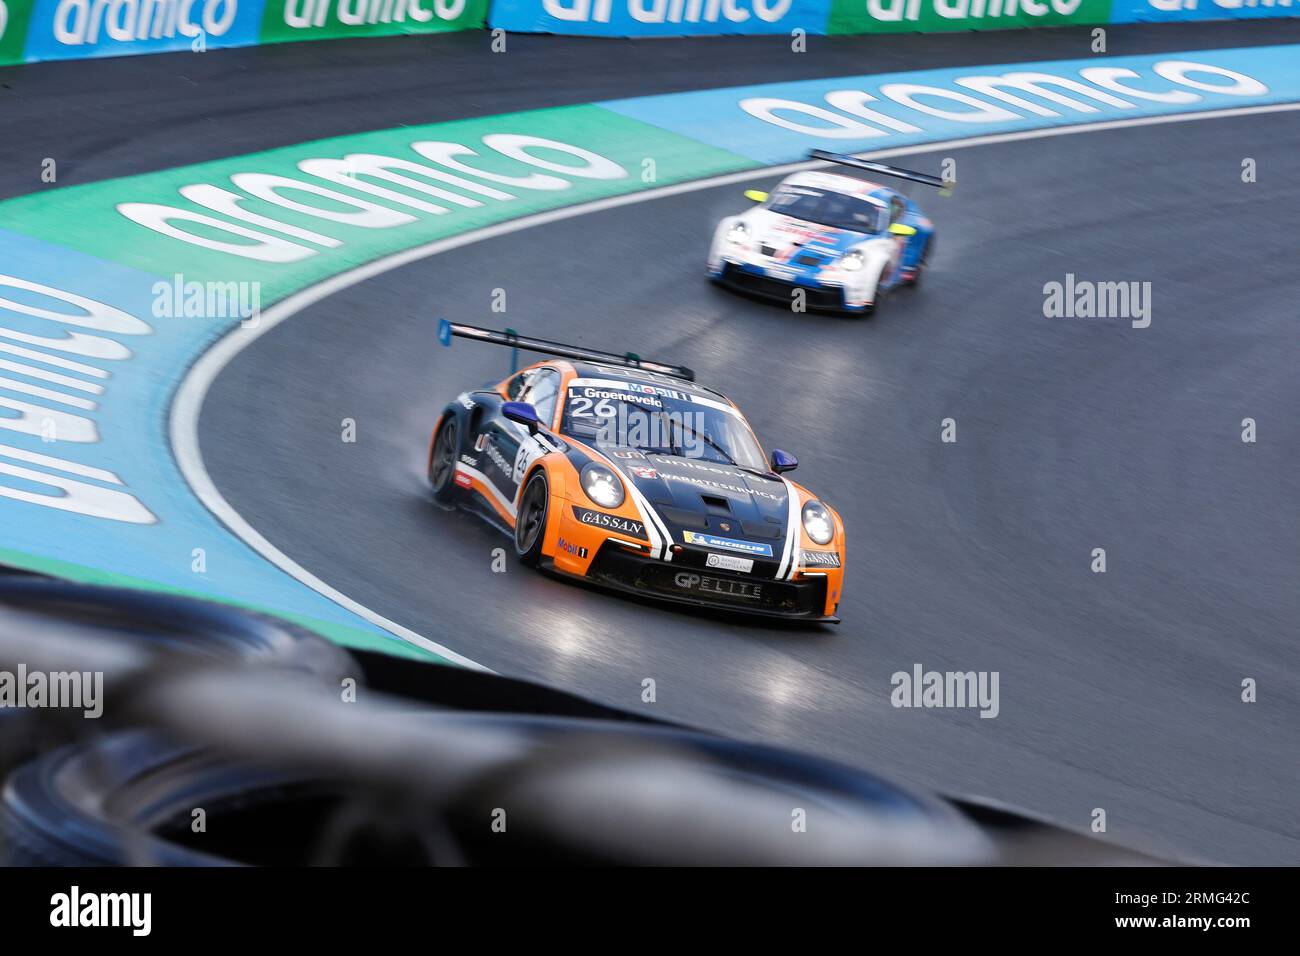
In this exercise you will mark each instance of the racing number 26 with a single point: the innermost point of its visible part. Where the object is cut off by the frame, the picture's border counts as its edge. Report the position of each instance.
(582, 407)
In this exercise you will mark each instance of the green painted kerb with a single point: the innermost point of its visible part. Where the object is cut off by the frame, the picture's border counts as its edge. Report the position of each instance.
(86, 217)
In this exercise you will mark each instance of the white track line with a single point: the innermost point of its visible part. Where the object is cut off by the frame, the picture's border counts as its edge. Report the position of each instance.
(188, 400)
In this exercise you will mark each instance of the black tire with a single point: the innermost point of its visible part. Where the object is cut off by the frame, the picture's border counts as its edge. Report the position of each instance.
(530, 523)
(920, 266)
(156, 622)
(127, 799)
(876, 297)
(442, 461)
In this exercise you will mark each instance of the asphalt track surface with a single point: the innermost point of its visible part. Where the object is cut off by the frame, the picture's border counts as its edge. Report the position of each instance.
(1118, 690)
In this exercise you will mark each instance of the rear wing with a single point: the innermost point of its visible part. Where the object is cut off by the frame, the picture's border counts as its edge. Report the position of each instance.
(446, 330)
(844, 159)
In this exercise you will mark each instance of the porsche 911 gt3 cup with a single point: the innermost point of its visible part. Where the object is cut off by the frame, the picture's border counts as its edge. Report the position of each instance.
(627, 474)
(842, 241)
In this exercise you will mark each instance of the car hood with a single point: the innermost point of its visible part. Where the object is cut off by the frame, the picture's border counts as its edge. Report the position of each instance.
(711, 499)
(788, 237)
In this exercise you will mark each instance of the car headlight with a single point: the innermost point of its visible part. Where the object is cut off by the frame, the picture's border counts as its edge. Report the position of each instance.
(851, 262)
(818, 523)
(738, 233)
(602, 485)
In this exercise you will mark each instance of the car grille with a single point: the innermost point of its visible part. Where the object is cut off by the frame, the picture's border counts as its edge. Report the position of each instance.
(613, 565)
(817, 298)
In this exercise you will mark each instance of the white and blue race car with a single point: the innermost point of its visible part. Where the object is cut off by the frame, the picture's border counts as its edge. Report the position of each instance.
(827, 240)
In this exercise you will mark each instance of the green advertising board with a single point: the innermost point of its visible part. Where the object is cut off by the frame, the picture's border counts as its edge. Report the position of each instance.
(286, 20)
(14, 16)
(932, 16)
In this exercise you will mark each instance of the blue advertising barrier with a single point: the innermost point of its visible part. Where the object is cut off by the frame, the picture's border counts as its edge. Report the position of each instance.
(77, 29)
(622, 18)
(1177, 11)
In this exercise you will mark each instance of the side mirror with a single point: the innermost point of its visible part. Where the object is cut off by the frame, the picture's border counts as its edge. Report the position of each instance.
(755, 195)
(524, 414)
(901, 229)
(783, 461)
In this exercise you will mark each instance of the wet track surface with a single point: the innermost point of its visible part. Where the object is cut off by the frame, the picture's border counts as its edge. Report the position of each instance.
(1118, 690)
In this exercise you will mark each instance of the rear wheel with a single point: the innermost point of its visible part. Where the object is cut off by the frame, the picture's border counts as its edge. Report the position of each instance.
(530, 524)
(442, 462)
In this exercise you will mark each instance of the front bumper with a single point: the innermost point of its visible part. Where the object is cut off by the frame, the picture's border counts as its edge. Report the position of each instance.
(687, 581)
(753, 279)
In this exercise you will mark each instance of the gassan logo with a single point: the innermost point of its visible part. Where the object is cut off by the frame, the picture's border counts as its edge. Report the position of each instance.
(600, 519)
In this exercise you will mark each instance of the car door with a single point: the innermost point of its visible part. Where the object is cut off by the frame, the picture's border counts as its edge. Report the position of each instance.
(509, 449)
(893, 271)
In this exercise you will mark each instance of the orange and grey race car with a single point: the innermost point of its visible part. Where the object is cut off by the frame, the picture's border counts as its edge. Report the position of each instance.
(628, 475)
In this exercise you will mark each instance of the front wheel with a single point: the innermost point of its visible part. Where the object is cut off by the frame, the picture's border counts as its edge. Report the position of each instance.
(877, 294)
(442, 462)
(920, 266)
(530, 524)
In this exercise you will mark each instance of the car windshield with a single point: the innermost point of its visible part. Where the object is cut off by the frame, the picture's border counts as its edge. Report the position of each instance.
(658, 419)
(827, 208)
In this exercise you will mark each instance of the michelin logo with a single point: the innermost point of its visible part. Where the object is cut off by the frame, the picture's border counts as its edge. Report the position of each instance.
(727, 544)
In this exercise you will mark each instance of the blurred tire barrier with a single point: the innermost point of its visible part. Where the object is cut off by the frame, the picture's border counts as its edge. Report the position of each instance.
(564, 791)
(162, 622)
(88, 805)
(110, 636)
